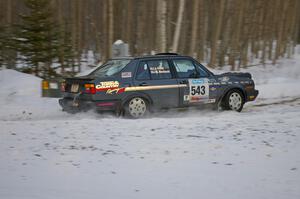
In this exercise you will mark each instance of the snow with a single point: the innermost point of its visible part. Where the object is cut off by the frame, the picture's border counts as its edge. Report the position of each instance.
(46, 153)
(21, 97)
(275, 82)
(118, 42)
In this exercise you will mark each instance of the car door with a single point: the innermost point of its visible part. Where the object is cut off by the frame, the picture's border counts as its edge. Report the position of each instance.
(194, 83)
(155, 78)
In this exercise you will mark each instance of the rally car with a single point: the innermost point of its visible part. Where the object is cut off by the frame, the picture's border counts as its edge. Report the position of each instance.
(135, 86)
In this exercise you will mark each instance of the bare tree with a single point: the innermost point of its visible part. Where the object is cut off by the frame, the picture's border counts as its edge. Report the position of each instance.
(178, 25)
(220, 32)
(110, 25)
(195, 24)
(161, 18)
(216, 33)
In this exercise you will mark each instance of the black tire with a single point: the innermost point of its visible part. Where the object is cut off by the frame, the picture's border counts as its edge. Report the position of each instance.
(136, 107)
(234, 100)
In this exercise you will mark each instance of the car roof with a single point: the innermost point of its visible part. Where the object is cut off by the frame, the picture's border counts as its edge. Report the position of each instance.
(159, 55)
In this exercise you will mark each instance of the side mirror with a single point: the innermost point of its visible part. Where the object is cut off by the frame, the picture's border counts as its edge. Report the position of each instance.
(195, 74)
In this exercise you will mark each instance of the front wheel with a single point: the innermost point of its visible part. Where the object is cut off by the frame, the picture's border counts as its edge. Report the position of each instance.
(136, 107)
(234, 100)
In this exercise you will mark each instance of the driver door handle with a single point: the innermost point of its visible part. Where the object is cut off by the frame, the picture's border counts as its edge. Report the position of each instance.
(183, 82)
(143, 84)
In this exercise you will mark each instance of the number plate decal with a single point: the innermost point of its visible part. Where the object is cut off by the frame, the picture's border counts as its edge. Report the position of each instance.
(198, 90)
(74, 88)
(53, 85)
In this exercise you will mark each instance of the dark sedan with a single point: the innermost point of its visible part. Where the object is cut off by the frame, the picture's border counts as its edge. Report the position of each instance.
(136, 86)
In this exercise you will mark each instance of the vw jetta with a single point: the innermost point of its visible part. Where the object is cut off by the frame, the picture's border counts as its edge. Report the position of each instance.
(136, 85)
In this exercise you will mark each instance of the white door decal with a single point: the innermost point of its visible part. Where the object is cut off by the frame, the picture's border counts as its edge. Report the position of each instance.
(198, 90)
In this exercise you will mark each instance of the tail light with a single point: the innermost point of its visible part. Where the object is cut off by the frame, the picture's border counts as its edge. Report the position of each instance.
(90, 88)
(63, 86)
(45, 85)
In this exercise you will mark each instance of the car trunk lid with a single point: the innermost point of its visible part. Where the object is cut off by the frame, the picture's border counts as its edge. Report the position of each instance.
(76, 84)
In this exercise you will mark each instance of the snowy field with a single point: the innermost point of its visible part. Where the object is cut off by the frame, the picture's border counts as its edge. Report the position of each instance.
(48, 154)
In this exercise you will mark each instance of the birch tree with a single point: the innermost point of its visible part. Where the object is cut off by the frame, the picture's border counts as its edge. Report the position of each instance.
(216, 33)
(178, 25)
(161, 19)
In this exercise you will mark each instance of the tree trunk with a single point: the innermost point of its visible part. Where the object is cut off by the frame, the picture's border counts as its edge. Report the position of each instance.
(162, 32)
(236, 36)
(110, 26)
(280, 31)
(195, 23)
(178, 26)
(216, 34)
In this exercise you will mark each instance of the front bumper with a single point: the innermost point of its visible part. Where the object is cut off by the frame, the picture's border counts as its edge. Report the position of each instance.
(251, 95)
(73, 106)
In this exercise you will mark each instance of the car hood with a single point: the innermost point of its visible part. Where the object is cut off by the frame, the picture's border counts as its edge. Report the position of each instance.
(234, 75)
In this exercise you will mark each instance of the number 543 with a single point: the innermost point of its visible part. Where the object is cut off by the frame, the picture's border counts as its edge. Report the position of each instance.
(197, 90)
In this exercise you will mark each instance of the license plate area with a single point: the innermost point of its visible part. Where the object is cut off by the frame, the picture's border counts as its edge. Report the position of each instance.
(75, 104)
(74, 88)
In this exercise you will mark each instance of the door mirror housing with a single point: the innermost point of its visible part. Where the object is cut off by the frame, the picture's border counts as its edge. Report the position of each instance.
(195, 74)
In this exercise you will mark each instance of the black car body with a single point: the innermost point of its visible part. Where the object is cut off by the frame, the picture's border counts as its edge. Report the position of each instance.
(161, 81)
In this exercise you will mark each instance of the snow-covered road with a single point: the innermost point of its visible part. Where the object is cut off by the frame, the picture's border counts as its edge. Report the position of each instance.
(46, 153)
(206, 154)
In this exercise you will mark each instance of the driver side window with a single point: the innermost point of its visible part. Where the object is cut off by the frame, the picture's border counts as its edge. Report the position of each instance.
(185, 68)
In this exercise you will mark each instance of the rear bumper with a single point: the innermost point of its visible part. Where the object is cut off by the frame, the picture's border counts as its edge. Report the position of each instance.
(70, 105)
(251, 95)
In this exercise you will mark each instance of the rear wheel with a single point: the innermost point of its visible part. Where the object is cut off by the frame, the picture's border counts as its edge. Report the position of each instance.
(234, 100)
(137, 107)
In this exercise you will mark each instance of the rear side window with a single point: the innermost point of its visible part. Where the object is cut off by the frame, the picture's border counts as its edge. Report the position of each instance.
(185, 68)
(154, 69)
(143, 71)
(159, 69)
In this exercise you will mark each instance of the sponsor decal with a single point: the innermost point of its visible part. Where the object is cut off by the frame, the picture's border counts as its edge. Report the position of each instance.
(115, 91)
(211, 101)
(197, 81)
(126, 75)
(213, 88)
(195, 98)
(186, 98)
(159, 70)
(106, 85)
(224, 79)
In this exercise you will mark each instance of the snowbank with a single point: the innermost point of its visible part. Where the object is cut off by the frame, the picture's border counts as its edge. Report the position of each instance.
(20, 97)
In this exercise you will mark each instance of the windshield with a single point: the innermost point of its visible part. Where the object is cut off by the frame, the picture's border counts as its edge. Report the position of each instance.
(110, 68)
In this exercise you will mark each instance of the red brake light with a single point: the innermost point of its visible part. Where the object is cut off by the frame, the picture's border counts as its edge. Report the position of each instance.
(90, 88)
(63, 86)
